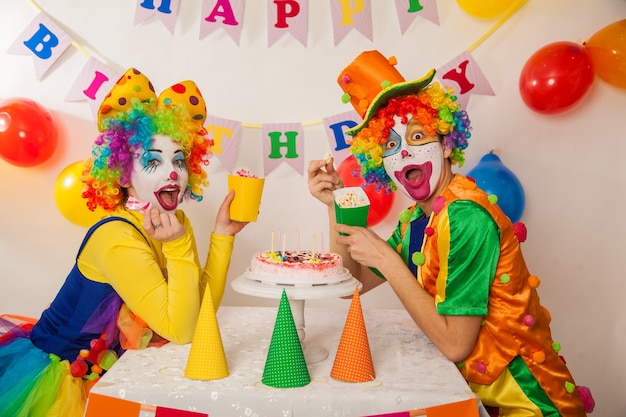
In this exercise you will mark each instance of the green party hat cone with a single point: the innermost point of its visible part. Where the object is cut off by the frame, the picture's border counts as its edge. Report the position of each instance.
(207, 360)
(285, 366)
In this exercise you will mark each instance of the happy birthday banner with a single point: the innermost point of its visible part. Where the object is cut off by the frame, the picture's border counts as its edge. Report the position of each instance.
(45, 42)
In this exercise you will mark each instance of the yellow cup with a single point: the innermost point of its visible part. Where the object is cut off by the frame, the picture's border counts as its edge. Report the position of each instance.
(248, 192)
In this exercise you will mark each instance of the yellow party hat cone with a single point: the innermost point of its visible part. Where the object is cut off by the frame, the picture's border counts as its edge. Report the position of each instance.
(353, 361)
(285, 366)
(207, 360)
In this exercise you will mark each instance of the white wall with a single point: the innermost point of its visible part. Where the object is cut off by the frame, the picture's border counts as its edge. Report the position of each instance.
(570, 165)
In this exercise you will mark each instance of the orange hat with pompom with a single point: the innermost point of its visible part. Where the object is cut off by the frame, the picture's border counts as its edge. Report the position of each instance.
(370, 80)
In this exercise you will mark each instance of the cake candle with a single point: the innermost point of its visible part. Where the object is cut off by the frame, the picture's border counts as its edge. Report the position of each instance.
(272, 248)
(313, 251)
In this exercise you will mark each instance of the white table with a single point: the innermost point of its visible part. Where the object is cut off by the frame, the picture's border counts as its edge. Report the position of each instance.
(411, 373)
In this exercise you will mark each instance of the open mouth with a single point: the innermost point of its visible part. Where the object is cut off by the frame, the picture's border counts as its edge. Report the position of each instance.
(168, 197)
(412, 176)
(416, 180)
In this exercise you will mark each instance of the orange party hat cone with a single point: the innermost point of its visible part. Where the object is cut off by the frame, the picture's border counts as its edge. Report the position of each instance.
(207, 360)
(285, 366)
(353, 361)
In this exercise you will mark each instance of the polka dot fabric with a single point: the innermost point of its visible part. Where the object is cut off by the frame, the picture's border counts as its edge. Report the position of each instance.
(353, 361)
(285, 366)
(134, 84)
(207, 360)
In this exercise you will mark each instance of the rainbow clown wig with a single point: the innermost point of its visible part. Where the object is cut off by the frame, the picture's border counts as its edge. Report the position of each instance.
(379, 93)
(128, 119)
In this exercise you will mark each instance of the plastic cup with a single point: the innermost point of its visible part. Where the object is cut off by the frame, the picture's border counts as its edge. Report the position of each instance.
(352, 216)
(248, 192)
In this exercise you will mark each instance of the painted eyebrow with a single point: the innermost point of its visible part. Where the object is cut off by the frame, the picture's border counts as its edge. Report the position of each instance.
(160, 151)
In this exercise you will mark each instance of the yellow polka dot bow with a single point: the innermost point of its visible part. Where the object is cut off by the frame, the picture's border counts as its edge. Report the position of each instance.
(133, 84)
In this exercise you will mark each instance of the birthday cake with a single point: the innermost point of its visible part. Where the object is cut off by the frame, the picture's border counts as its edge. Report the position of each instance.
(297, 264)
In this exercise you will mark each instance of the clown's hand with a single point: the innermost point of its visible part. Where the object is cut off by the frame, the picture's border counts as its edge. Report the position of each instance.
(162, 226)
(323, 179)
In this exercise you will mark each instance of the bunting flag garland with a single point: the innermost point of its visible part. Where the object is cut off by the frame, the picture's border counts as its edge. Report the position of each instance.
(283, 140)
(287, 17)
(469, 79)
(45, 42)
(348, 15)
(227, 14)
(225, 134)
(165, 10)
(92, 84)
(408, 13)
(335, 127)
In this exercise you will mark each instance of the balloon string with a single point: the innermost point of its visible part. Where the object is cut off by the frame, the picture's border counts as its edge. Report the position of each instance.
(74, 43)
(500, 22)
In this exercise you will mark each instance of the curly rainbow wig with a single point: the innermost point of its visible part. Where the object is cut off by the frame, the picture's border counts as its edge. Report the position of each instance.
(130, 133)
(434, 107)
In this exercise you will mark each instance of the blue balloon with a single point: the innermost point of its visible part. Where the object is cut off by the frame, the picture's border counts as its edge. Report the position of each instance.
(494, 178)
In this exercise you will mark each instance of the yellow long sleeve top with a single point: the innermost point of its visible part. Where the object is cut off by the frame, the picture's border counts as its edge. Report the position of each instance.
(161, 282)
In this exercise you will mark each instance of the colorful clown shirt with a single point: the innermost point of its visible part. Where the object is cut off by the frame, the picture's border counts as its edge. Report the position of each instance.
(468, 257)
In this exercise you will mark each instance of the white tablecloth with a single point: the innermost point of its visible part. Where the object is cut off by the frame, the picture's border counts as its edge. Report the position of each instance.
(411, 373)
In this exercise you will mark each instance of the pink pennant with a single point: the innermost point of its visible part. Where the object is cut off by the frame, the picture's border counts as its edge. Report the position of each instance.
(287, 16)
(283, 142)
(407, 11)
(466, 77)
(171, 412)
(166, 10)
(225, 134)
(224, 14)
(348, 15)
(92, 84)
(335, 127)
(44, 40)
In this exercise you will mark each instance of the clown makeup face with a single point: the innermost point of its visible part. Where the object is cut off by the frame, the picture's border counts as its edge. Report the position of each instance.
(413, 159)
(160, 174)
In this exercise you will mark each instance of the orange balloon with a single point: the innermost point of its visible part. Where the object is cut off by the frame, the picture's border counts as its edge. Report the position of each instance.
(607, 49)
(68, 190)
(486, 9)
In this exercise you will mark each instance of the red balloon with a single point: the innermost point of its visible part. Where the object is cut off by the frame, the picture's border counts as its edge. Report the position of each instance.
(556, 77)
(380, 202)
(28, 133)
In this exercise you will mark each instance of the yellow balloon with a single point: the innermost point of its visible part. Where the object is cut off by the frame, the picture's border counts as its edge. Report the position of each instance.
(68, 190)
(486, 9)
(607, 48)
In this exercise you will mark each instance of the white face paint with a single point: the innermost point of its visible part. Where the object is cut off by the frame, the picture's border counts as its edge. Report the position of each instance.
(413, 159)
(160, 174)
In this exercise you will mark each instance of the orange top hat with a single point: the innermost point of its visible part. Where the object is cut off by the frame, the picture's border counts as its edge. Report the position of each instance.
(134, 84)
(370, 80)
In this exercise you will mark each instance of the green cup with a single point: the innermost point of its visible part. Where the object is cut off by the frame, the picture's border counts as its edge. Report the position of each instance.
(352, 206)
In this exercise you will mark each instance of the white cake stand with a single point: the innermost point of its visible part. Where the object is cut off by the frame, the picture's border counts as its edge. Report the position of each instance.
(298, 290)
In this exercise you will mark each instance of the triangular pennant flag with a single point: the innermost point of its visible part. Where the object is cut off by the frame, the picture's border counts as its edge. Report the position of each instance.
(44, 40)
(408, 11)
(287, 17)
(464, 72)
(351, 15)
(335, 127)
(207, 360)
(167, 11)
(285, 366)
(467, 408)
(227, 15)
(225, 134)
(172, 412)
(353, 361)
(283, 142)
(105, 406)
(93, 84)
